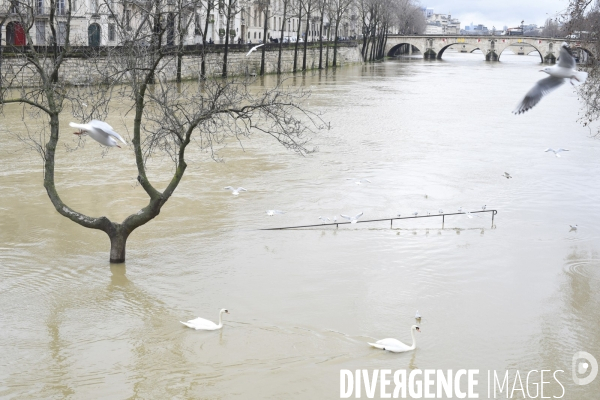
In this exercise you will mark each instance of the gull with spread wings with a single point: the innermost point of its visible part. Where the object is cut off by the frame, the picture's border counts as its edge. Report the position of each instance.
(100, 131)
(565, 69)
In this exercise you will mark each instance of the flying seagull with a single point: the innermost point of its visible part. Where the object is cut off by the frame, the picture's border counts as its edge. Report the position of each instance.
(254, 49)
(234, 191)
(100, 131)
(555, 151)
(565, 69)
(352, 220)
(507, 175)
(271, 213)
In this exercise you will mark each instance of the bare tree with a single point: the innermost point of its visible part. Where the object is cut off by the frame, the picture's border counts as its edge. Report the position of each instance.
(552, 29)
(263, 7)
(583, 20)
(337, 11)
(167, 117)
(286, 3)
(321, 7)
(307, 5)
(205, 8)
(299, 6)
(410, 18)
(232, 10)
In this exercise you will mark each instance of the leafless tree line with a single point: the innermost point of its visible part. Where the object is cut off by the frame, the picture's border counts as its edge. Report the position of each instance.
(382, 17)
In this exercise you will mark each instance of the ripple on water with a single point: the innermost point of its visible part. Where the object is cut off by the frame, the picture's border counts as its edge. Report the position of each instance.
(589, 268)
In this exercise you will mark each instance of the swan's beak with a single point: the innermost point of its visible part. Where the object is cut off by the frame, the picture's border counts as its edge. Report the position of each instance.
(418, 330)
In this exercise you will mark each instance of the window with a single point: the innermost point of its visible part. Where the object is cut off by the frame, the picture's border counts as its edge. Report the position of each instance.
(40, 33)
(259, 34)
(112, 34)
(60, 7)
(14, 7)
(62, 33)
(39, 7)
(254, 35)
(197, 28)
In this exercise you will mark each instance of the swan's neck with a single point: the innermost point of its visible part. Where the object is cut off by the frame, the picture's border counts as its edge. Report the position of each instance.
(414, 343)
(221, 319)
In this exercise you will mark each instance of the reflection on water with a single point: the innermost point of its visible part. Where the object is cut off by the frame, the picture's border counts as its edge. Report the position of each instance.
(522, 293)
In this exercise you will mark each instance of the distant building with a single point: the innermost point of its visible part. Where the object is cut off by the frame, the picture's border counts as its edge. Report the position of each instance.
(479, 29)
(442, 24)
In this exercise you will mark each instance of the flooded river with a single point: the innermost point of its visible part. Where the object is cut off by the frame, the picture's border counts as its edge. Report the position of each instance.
(522, 294)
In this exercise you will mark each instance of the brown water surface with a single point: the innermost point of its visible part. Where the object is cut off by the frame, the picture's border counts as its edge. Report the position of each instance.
(522, 294)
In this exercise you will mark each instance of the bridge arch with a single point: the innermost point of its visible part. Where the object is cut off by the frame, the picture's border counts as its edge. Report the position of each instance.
(589, 54)
(463, 47)
(527, 50)
(394, 50)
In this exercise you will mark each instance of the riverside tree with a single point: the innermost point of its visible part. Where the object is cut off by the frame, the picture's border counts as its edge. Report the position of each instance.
(582, 21)
(139, 72)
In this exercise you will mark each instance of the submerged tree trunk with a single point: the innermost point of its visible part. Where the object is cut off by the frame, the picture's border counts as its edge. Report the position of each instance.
(335, 43)
(118, 241)
(321, 40)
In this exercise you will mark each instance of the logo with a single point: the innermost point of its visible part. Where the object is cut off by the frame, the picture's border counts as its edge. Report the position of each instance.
(582, 363)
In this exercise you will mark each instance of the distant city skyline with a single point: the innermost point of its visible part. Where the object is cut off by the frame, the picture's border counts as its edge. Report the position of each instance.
(498, 14)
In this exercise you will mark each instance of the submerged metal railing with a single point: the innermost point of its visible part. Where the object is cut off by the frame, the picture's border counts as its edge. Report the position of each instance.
(494, 212)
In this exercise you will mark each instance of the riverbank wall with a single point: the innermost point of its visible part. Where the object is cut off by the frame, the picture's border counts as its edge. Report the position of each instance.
(85, 67)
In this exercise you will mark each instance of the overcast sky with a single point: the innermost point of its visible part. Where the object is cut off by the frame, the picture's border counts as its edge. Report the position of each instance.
(498, 12)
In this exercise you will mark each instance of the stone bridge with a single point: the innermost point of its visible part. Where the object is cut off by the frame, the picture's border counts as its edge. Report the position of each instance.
(491, 46)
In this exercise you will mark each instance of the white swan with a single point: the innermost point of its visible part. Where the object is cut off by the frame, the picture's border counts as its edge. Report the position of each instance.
(204, 324)
(234, 191)
(396, 346)
(100, 131)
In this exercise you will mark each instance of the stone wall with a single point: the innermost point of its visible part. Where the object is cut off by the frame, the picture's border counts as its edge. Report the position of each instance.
(82, 70)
